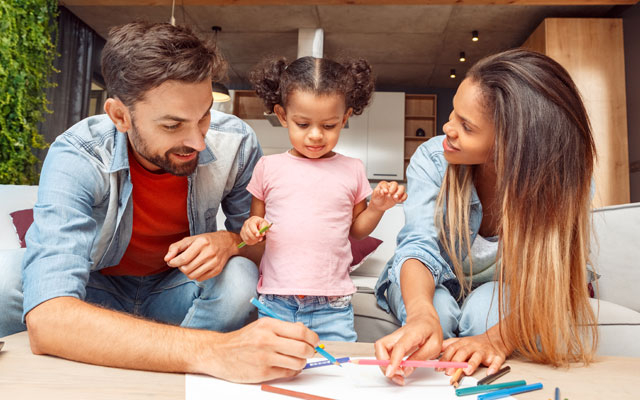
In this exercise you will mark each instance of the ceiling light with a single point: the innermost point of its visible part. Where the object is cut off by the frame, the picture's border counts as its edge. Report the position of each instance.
(452, 74)
(474, 36)
(462, 57)
(220, 92)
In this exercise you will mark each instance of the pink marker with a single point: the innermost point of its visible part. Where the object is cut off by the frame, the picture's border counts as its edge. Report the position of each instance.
(413, 363)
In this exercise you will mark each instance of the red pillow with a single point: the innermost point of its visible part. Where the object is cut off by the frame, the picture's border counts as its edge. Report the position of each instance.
(361, 249)
(22, 220)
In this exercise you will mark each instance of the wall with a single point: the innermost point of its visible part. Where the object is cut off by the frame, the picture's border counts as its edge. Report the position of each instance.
(78, 63)
(631, 26)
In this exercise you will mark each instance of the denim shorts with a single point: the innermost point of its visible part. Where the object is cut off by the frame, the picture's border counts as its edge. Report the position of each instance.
(331, 317)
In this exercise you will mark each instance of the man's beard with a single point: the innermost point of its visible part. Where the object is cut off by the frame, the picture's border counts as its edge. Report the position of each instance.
(163, 161)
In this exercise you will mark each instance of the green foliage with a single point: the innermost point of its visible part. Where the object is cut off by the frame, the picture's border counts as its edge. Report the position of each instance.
(28, 31)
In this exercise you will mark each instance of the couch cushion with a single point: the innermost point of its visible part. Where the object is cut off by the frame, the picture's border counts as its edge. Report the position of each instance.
(371, 322)
(618, 329)
(22, 220)
(14, 197)
(361, 249)
(615, 253)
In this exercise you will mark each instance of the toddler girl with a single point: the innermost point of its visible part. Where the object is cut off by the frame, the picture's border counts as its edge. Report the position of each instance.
(314, 197)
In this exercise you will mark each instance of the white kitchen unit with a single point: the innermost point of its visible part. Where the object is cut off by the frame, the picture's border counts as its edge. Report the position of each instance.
(385, 137)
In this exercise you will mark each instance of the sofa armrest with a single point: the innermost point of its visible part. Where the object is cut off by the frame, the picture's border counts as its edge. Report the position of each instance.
(14, 198)
(615, 253)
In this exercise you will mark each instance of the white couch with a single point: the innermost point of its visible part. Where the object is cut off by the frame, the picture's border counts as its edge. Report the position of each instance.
(616, 257)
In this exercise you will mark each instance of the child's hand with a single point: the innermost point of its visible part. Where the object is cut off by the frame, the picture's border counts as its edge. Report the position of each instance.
(386, 195)
(250, 232)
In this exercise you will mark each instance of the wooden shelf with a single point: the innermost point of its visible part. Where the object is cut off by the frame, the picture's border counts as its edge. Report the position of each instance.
(247, 105)
(420, 114)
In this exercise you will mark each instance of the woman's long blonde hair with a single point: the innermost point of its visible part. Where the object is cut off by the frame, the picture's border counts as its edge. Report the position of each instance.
(544, 159)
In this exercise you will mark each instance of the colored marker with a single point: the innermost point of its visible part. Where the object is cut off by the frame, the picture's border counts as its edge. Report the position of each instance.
(488, 388)
(270, 313)
(414, 363)
(292, 393)
(508, 392)
(324, 363)
(490, 378)
(455, 379)
(263, 230)
(557, 393)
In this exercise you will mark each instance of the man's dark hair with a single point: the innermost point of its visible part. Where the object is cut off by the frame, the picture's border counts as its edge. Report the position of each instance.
(140, 56)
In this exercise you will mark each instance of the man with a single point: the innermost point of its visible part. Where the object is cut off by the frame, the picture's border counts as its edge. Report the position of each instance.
(124, 230)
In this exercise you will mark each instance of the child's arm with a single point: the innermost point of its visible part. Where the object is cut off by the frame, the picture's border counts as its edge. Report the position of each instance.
(250, 231)
(366, 218)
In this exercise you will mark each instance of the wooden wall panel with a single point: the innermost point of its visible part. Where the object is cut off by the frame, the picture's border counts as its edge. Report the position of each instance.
(592, 51)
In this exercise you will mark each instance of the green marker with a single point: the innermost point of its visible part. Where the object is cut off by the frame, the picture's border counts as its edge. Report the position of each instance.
(263, 230)
(488, 388)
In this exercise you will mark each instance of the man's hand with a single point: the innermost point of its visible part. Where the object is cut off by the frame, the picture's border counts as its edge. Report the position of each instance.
(202, 257)
(263, 350)
(387, 195)
(266, 349)
(487, 349)
(420, 339)
(250, 232)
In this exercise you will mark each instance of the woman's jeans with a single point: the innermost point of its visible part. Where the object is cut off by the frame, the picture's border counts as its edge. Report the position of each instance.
(478, 313)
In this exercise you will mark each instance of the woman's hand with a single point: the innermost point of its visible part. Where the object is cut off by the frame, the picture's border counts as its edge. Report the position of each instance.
(420, 339)
(250, 232)
(387, 195)
(487, 349)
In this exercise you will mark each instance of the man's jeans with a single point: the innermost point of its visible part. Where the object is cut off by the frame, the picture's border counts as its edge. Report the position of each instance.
(220, 303)
(478, 313)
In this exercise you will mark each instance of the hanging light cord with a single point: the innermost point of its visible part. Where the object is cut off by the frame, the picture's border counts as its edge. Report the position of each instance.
(172, 21)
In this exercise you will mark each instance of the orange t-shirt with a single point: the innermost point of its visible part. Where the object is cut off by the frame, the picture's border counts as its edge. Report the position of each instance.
(159, 219)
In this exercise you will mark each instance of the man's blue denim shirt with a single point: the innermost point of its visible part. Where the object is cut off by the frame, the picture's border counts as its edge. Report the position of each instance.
(419, 237)
(83, 216)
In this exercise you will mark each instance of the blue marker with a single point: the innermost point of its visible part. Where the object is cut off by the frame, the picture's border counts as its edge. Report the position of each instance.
(508, 392)
(270, 313)
(323, 363)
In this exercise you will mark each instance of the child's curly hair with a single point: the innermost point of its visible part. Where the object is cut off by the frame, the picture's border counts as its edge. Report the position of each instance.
(274, 80)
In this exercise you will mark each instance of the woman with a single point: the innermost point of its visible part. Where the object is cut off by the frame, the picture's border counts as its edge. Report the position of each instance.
(509, 181)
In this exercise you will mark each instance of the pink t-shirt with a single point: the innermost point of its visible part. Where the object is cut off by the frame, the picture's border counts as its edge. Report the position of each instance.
(310, 203)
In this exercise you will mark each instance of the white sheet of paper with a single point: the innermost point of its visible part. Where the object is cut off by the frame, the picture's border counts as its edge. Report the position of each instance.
(349, 382)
